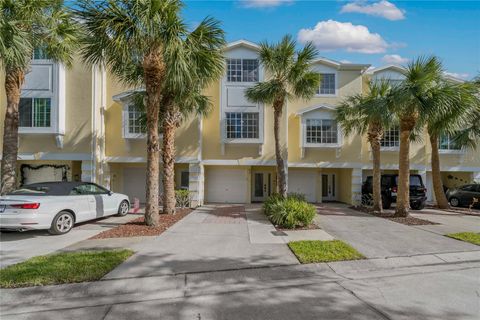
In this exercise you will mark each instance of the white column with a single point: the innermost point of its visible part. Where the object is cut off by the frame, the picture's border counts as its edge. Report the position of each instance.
(196, 182)
(356, 187)
(476, 176)
(87, 171)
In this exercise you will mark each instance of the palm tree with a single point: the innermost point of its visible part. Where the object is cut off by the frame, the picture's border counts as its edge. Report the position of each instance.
(131, 38)
(454, 107)
(421, 76)
(193, 65)
(289, 77)
(369, 114)
(26, 25)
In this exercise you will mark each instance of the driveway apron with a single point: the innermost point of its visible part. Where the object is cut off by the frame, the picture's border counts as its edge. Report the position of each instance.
(380, 238)
(213, 237)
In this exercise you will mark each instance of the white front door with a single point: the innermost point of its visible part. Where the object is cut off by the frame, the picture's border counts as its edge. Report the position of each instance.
(329, 185)
(262, 186)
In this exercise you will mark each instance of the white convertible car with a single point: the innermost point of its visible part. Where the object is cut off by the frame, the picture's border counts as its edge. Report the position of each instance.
(57, 206)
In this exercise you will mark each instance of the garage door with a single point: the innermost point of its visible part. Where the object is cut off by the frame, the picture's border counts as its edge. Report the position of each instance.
(303, 182)
(226, 185)
(134, 181)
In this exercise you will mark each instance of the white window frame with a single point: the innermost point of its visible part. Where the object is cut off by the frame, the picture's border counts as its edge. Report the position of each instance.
(240, 53)
(32, 99)
(318, 94)
(125, 123)
(316, 144)
(449, 151)
(57, 99)
(322, 69)
(391, 148)
(242, 71)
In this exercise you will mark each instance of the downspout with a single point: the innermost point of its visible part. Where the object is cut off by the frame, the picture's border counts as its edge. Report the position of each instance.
(94, 136)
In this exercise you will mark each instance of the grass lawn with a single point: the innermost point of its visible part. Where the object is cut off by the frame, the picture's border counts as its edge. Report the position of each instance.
(67, 267)
(323, 251)
(471, 237)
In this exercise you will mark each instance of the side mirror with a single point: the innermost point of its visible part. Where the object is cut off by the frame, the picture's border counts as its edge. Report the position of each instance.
(110, 193)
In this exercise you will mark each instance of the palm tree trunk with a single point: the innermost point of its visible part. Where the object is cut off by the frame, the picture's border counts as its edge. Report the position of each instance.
(168, 155)
(374, 136)
(13, 83)
(154, 69)
(442, 201)
(281, 171)
(403, 192)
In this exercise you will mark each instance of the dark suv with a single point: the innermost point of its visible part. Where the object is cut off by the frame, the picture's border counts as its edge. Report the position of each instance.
(389, 190)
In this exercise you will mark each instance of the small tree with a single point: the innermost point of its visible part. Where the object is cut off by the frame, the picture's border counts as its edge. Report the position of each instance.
(288, 77)
(26, 25)
(369, 114)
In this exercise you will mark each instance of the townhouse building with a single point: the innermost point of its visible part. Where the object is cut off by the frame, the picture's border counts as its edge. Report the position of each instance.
(80, 124)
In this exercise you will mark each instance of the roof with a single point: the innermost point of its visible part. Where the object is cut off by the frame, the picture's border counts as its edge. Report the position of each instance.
(341, 65)
(313, 108)
(242, 43)
(126, 94)
(393, 67)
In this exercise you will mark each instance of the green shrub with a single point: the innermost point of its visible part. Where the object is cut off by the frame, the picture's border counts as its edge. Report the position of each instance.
(182, 198)
(298, 196)
(289, 212)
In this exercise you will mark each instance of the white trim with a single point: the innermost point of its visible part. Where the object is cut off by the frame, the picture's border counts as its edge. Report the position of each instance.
(144, 159)
(389, 149)
(313, 108)
(452, 151)
(54, 156)
(242, 43)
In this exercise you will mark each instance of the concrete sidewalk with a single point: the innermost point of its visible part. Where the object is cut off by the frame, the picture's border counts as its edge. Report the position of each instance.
(213, 237)
(379, 238)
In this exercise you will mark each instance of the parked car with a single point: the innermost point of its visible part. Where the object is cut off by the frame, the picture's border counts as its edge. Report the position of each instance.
(57, 206)
(389, 187)
(463, 195)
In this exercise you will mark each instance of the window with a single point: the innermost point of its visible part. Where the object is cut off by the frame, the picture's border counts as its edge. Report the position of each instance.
(242, 70)
(414, 181)
(327, 83)
(35, 112)
(322, 131)
(242, 125)
(184, 179)
(88, 189)
(134, 123)
(39, 54)
(391, 138)
(446, 143)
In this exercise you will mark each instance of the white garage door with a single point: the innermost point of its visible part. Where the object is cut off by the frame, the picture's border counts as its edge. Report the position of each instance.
(226, 185)
(303, 182)
(134, 181)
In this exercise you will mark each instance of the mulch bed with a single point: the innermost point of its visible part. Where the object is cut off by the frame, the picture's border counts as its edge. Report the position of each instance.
(137, 227)
(310, 227)
(409, 221)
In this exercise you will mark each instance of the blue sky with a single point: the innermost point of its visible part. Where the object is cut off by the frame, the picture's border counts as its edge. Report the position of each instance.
(375, 32)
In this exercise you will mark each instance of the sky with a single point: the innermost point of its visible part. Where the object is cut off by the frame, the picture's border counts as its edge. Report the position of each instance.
(376, 32)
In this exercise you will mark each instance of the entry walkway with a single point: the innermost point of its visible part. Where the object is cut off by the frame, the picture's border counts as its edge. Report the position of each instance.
(380, 238)
(213, 237)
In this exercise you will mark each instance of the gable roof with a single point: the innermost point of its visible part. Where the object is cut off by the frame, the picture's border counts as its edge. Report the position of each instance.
(403, 70)
(242, 43)
(313, 108)
(342, 66)
(126, 94)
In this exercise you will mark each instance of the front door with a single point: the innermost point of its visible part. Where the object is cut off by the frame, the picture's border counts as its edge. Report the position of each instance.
(329, 192)
(262, 186)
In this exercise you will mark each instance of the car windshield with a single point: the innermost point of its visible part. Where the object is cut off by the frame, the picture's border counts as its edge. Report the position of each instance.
(414, 181)
(38, 190)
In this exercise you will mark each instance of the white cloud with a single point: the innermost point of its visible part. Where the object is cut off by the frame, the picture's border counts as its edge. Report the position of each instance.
(394, 59)
(263, 3)
(332, 35)
(382, 9)
(458, 75)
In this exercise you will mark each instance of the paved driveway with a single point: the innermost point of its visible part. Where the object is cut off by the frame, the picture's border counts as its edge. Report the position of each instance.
(379, 238)
(213, 237)
(19, 246)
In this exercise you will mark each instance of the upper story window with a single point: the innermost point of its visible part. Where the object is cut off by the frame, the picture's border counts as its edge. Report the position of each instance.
(327, 83)
(391, 138)
(321, 131)
(134, 124)
(446, 143)
(35, 112)
(40, 54)
(242, 70)
(242, 125)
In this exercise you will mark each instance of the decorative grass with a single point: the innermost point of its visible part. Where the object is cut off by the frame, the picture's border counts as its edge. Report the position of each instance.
(323, 251)
(471, 237)
(66, 267)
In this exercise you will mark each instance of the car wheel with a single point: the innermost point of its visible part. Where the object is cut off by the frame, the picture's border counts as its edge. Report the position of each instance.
(418, 206)
(62, 223)
(123, 208)
(454, 202)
